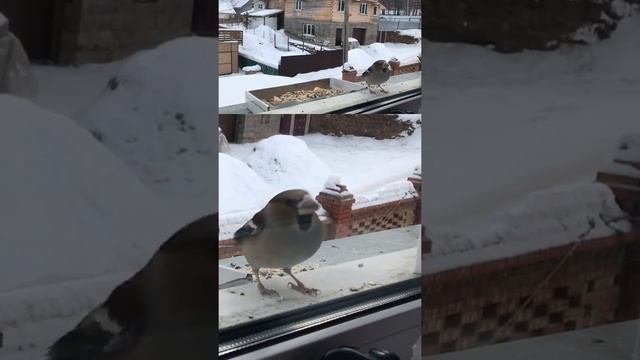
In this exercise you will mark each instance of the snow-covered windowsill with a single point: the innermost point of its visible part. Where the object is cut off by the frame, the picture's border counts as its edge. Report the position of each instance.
(334, 279)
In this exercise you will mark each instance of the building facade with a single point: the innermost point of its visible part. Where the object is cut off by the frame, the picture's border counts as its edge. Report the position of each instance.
(323, 21)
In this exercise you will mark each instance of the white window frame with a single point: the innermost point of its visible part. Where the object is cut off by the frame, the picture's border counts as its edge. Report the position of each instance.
(298, 5)
(341, 5)
(311, 27)
(375, 10)
(364, 6)
(260, 6)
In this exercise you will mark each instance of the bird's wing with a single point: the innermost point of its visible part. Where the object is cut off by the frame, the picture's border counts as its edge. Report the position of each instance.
(251, 228)
(368, 71)
(110, 328)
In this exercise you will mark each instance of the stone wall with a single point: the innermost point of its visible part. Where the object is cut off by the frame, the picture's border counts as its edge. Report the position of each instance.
(514, 25)
(106, 30)
(257, 127)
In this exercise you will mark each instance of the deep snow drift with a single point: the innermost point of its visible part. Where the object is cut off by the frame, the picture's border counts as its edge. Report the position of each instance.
(74, 221)
(500, 126)
(253, 173)
(157, 114)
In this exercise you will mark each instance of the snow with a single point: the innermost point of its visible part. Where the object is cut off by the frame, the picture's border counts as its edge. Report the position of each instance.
(416, 33)
(238, 3)
(258, 45)
(623, 169)
(362, 57)
(225, 7)
(252, 68)
(400, 190)
(266, 12)
(310, 162)
(74, 222)
(286, 162)
(234, 87)
(629, 147)
(240, 188)
(158, 118)
(530, 121)
(543, 219)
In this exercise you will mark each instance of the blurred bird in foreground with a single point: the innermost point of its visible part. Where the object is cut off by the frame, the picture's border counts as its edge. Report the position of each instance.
(286, 232)
(166, 311)
(377, 74)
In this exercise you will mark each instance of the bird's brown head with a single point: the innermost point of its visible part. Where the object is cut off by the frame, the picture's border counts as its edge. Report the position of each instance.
(292, 206)
(381, 64)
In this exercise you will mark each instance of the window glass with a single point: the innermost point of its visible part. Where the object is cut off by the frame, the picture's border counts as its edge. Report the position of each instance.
(360, 177)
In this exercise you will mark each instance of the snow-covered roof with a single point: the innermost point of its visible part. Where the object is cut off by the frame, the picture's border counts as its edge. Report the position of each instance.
(225, 7)
(266, 12)
(238, 3)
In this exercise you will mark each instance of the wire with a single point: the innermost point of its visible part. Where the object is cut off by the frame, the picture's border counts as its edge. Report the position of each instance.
(548, 278)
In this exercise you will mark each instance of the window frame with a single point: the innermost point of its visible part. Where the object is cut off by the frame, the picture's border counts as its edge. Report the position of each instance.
(309, 26)
(298, 5)
(254, 335)
(365, 6)
(341, 4)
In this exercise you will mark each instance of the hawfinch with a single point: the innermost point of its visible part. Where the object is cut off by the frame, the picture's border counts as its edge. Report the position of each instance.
(378, 73)
(165, 311)
(286, 232)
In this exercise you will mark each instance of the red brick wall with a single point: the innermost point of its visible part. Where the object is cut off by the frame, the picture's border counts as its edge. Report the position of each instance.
(478, 304)
(390, 215)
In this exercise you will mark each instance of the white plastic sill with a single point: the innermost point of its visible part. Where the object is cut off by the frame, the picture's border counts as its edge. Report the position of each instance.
(244, 302)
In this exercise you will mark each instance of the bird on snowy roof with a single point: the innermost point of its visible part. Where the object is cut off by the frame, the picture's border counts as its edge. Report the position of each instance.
(165, 311)
(377, 74)
(286, 232)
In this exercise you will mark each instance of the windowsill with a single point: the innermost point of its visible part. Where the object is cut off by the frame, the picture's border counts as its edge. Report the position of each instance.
(333, 279)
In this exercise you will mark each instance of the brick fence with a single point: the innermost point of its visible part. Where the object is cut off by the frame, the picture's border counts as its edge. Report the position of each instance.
(344, 220)
(508, 299)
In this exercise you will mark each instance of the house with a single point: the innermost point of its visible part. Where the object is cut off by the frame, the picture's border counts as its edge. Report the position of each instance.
(251, 128)
(84, 31)
(323, 21)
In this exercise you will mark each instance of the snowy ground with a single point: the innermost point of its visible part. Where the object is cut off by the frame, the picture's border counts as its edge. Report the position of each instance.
(114, 160)
(267, 46)
(158, 118)
(500, 126)
(248, 178)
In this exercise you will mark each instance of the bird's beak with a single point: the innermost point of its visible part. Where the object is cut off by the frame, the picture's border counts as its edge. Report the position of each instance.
(307, 205)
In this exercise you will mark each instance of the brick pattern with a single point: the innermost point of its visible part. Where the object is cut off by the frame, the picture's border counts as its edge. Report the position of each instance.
(487, 303)
(391, 215)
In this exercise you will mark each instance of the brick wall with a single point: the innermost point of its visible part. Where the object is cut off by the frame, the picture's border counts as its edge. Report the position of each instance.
(487, 303)
(105, 30)
(510, 299)
(345, 221)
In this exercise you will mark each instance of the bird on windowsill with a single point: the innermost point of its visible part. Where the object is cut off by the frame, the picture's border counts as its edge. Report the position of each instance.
(166, 311)
(286, 232)
(377, 74)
